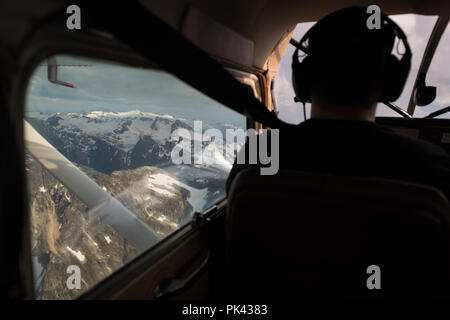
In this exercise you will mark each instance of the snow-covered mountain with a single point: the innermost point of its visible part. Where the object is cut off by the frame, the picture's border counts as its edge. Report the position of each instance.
(109, 141)
(128, 155)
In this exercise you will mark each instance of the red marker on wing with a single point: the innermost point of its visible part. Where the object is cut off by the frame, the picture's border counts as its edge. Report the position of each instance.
(67, 84)
(52, 74)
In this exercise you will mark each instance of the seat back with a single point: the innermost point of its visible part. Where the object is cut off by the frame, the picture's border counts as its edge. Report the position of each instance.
(306, 234)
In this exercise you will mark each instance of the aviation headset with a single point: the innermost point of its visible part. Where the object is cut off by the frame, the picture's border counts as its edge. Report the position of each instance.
(397, 70)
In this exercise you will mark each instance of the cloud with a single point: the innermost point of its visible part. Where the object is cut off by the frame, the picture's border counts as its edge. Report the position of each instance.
(106, 86)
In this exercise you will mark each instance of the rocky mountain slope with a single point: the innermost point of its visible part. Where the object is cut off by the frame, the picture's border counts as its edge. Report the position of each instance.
(65, 232)
(128, 155)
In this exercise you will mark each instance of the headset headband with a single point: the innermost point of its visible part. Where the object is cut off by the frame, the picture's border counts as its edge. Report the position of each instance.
(385, 21)
(396, 69)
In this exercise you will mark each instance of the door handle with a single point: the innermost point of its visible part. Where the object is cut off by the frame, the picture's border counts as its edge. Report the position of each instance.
(166, 287)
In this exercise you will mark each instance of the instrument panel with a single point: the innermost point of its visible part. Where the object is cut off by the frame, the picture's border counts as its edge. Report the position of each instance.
(436, 131)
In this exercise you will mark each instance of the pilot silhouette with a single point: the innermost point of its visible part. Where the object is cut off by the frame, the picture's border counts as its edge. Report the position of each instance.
(348, 69)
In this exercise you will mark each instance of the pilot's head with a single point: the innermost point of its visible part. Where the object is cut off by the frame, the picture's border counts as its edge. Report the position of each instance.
(348, 60)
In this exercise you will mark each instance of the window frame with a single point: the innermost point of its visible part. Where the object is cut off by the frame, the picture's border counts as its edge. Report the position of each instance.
(52, 40)
(427, 57)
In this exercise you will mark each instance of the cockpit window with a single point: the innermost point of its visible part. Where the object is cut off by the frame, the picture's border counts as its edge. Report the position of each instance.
(288, 110)
(417, 28)
(438, 76)
(117, 159)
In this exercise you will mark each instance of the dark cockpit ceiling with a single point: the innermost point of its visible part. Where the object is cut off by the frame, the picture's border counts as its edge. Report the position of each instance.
(262, 22)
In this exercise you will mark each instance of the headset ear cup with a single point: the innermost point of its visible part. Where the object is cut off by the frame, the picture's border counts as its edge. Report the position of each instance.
(301, 78)
(395, 77)
(390, 85)
(295, 72)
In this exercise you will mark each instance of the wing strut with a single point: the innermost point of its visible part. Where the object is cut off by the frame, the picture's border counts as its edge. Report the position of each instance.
(101, 203)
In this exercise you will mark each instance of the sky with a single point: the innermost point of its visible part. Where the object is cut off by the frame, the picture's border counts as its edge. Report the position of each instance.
(418, 29)
(113, 87)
